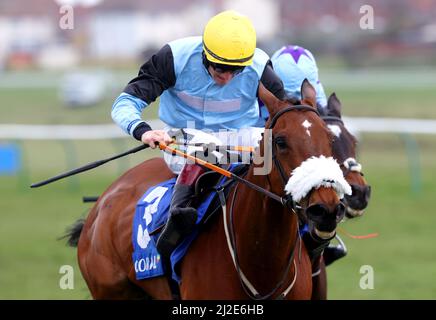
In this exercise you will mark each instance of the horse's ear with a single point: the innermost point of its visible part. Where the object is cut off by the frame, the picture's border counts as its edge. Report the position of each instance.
(271, 102)
(308, 93)
(334, 106)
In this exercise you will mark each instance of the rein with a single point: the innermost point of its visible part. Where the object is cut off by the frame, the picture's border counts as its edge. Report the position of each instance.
(286, 201)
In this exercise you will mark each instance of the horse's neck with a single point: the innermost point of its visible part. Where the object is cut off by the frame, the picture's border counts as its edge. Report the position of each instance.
(265, 232)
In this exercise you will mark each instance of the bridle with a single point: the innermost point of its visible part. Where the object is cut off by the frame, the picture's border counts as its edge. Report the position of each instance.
(277, 163)
(350, 164)
(286, 201)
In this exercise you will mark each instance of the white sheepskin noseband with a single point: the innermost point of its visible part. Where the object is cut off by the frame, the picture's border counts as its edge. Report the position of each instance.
(317, 172)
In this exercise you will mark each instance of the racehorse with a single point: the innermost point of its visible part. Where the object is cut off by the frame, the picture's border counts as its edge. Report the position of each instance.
(254, 249)
(344, 151)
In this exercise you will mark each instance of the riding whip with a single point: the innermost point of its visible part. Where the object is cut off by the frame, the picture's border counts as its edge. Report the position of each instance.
(88, 166)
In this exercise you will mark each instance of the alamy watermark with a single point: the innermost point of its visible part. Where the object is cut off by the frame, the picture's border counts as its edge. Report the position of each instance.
(367, 19)
(66, 20)
(215, 146)
(367, 279)
(66, 282)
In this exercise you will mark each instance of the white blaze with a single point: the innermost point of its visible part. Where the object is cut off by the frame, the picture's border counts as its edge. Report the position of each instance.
(307, 125)
(335, 129)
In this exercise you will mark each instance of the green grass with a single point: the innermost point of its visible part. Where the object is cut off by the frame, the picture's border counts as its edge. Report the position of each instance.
(401, 255)
(30, 254)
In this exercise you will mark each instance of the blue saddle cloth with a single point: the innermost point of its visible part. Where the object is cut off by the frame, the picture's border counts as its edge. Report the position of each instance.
(151, 213)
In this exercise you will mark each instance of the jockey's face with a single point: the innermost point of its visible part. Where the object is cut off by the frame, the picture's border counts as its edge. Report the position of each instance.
(222, 73)
(220, 78)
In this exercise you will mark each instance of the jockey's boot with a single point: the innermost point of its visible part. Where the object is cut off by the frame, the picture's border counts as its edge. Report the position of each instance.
(182, 217)
(334, 252)
(315, 247)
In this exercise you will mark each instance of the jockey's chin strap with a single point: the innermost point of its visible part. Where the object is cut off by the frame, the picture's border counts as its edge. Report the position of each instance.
(286, 201)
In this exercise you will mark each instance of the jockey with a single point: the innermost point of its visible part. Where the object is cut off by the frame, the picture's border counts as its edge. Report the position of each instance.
(211, 81)
(293, 64)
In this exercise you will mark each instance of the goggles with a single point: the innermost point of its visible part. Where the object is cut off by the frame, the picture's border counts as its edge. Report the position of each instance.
(223, 68)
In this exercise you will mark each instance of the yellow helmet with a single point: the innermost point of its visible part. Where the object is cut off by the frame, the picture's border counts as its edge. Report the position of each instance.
(229, 38)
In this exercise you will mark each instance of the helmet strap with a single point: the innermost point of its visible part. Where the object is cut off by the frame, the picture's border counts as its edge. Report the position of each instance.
(206, 62)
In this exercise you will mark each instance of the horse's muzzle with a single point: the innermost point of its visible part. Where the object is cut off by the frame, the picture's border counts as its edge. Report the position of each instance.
(323, 219)
(358, 200)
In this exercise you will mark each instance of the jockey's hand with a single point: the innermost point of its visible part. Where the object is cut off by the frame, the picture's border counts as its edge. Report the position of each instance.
(153, 136)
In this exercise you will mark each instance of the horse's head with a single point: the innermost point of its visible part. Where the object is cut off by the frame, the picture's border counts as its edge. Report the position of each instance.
(302, 160)
(344, 151)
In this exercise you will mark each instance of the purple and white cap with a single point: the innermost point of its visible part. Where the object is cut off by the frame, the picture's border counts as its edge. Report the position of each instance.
(293, 64)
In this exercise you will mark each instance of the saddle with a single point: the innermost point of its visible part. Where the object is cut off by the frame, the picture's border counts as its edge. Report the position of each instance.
(209, 182)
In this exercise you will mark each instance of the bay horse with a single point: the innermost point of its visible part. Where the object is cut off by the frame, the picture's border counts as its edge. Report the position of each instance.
(344, 151)
(268, 258)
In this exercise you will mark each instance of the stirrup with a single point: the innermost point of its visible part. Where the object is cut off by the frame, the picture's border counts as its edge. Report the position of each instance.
(333, 253)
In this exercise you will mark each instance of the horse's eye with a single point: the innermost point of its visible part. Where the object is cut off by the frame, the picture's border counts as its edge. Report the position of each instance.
(281, 143)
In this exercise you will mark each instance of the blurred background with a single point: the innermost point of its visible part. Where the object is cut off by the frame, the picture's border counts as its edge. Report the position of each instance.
(63, 62)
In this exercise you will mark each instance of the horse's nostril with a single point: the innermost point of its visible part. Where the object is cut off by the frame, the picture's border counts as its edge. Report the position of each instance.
(323, 218)
(354, 189)
(316, 212)
(360, 192)
(368, 192)
(340, 212)
(359, 198)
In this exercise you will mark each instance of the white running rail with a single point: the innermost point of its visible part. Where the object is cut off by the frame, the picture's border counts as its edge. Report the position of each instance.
(110, 131)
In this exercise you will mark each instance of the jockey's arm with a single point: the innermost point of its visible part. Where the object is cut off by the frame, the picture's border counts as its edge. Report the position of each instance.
(272, 82)
(155, 76)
